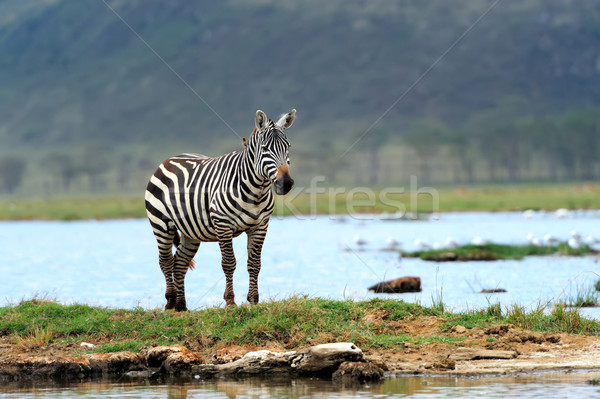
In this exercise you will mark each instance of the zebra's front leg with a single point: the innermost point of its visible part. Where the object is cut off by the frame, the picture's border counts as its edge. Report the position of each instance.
(228, 264)
(256, 239)
(183, 257)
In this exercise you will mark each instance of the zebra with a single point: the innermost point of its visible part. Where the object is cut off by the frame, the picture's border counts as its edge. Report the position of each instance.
(206, 199)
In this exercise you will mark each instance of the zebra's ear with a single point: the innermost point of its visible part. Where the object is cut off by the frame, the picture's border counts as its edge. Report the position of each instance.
(286, 120)
(260, 120)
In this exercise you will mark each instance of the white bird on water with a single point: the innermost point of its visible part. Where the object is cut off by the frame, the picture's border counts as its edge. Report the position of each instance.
(574, 243)
(479, 241)
(561, 213)
(451, 242)
(421, 244)
(528, 214)
(360, 242)
(550, 239)
(392, 243)
(533, 240)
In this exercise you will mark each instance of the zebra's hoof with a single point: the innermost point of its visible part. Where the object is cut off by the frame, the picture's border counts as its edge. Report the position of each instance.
(181, 306)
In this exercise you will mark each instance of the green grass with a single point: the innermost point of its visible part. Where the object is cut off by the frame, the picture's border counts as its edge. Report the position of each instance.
(583, 298)
(495, 252)
(291, 323)
(479, 198)
(73, 209)
(449, 199)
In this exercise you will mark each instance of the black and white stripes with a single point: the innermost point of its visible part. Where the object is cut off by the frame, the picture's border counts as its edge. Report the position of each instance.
(217, 199)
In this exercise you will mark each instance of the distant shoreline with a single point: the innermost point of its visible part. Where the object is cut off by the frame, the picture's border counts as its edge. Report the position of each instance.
(550, 197)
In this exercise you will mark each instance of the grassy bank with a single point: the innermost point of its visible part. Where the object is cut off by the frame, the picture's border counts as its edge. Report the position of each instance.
(73, 209)
(288, 323)
(453, 199)
(496, 252)
(342, 201)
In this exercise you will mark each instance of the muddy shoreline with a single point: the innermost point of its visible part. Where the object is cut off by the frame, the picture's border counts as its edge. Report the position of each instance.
(499, 350)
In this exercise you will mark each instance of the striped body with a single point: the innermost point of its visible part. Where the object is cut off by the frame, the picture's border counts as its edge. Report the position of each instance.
(216, 199)
(192, 193)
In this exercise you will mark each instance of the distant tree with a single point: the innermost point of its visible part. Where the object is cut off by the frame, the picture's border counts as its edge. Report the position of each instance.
(580, 143)
(12, 170)
(500, 141)
(426, 136)
(371, 144)
(65, 168)
(461, 144)
(95, 165)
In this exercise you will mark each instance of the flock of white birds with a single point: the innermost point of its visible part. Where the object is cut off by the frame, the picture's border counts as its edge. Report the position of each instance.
(575, 241)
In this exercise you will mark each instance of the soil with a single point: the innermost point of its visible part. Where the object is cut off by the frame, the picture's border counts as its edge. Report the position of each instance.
(501, 349)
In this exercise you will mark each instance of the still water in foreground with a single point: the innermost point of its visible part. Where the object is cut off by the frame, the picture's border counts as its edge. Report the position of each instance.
(544, 385)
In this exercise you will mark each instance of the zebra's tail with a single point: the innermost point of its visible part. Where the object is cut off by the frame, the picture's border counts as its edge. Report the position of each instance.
(176, 242)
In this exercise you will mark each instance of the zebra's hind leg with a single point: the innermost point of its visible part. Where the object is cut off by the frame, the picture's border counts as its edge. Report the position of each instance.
(256, 239)
(183, 257)
(164, 240)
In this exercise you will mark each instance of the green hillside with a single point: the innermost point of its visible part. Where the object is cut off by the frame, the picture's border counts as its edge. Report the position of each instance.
(87, 104)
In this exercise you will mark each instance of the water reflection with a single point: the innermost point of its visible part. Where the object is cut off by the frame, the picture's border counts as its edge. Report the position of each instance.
(542, 385)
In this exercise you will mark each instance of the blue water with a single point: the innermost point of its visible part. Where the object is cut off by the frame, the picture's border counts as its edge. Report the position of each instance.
(546, 385)
(114, 263)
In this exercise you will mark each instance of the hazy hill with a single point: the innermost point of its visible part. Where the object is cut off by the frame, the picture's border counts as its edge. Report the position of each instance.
(80, 91)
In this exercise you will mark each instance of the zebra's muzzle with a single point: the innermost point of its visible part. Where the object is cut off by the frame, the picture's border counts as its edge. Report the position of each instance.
(283, 180)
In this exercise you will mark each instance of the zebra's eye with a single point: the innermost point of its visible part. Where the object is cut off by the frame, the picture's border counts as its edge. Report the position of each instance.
(264, 148)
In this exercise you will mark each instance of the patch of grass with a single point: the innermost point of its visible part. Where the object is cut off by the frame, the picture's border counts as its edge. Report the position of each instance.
(597, 285)
(567, 319)
(73, 209)
(495, 252)
(594, 381)
(333, 202)
(584, 298)
(290, 323)
(38, 338)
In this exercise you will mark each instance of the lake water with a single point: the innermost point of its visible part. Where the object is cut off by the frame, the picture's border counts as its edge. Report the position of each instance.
(545, 385)
(115, 263)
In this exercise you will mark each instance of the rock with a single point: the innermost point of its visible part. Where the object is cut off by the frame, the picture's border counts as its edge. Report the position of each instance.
(499, 330)
(478, 354)
(458, 329)
(258, 362)
(398, 286)
(492, 290)
(180, 362)
(326, 357)
(358, 372)
(441, 364)
(230, 354)
(87, 345)
(141, 374)
(444, 364)
(155, 356)
(34, 367)
(115, 363)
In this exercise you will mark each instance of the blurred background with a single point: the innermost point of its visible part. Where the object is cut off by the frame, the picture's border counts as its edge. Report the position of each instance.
(87, 107)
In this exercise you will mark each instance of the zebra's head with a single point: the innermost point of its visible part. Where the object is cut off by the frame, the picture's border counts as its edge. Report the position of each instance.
(271, 148)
